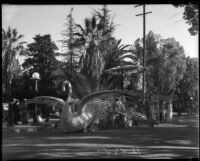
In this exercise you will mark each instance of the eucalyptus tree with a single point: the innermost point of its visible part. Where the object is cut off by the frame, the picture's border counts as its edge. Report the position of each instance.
(12, 46)
(187, 89)
(174, 66)
(165, 64)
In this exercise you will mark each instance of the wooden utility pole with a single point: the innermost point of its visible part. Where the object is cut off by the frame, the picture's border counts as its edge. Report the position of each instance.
(144, 46)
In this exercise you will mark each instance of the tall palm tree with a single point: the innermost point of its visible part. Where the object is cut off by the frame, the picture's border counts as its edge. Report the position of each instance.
(89, 37)
(11, 47)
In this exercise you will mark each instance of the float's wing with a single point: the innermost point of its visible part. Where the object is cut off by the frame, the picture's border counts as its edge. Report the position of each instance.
(104, 96)
(52, 101)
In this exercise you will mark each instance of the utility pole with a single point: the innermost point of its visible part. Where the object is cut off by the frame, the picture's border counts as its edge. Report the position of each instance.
(144, 46)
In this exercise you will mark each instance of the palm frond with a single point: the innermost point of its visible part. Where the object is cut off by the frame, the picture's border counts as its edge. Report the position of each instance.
(14, 33)
(87, 23)
(79, 26)
(77, 34)
(93, 22)
(131, 56)
(19, 37)
(23, 42)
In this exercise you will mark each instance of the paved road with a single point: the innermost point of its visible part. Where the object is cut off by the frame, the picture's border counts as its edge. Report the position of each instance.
(179, 140)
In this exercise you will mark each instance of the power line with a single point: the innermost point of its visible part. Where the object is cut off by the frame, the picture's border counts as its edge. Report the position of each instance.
(138, 5)
(144, 13)
(175, 14)
(178, 20)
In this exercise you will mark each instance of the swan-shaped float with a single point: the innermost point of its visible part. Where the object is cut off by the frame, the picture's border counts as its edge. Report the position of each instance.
(88, 107)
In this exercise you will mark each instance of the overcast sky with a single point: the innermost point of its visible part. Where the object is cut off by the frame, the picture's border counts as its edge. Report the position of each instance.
(165, 20)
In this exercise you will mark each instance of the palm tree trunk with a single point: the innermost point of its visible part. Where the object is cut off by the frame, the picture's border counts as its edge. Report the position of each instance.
(9, 90)
(10, 107)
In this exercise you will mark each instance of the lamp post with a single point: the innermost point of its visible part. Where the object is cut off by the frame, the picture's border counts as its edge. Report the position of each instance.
(36, 78)
(190, 109)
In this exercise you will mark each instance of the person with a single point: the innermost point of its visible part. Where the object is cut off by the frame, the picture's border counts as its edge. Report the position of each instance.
(33, 113)
(113, 113)
(123, 100)
(4, 112)
(121, 119)
(24, 112)
(16, 111)
(135, 107)
(10, 121)
(152, 111)
(47, 110)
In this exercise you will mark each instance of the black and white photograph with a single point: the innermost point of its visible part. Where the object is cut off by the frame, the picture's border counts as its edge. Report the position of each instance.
(100, 81)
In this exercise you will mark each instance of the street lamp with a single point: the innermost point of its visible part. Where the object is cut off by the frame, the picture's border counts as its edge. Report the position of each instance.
(36, 78)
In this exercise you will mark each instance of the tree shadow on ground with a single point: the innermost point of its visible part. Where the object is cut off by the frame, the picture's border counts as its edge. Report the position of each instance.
(144, 142)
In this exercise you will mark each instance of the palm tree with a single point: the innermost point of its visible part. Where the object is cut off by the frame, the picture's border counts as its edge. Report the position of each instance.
(116, 54)
(11, 47)
(91, 62)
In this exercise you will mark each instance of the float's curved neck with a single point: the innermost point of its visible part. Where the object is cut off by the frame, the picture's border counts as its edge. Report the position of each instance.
(68, 95)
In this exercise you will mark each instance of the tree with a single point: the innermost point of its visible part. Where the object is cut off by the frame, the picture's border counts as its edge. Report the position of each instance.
(21, 87)
(11, 47)
(152, 53)
(174, 64)
(97, 36)
(68, 38)
(87, 45)
(80, 85)
(165, 63)
(106, 21)
(91, 62)
(191, 16)
(116, 55)
(188, 88)
(42, 58)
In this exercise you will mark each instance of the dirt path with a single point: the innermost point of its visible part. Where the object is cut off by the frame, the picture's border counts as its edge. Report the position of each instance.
(179, 140)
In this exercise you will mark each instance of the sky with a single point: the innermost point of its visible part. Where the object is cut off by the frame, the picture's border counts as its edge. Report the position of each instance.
(165, 20)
